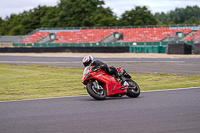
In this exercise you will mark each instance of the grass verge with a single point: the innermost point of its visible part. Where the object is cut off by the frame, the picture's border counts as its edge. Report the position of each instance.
(31, 82)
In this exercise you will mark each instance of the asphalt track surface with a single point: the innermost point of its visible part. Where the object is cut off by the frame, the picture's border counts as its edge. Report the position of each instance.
(186, 66)
(174, 111)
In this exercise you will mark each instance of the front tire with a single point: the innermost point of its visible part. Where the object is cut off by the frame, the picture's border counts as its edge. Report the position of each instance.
(133, 89)
(95, 93)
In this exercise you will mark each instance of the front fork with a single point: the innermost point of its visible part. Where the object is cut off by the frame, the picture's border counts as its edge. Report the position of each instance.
(97, 86)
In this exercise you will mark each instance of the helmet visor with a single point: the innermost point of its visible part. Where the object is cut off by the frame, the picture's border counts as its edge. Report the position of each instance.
(86, 63)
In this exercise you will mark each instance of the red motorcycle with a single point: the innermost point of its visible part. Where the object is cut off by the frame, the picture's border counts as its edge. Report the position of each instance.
(101, 85)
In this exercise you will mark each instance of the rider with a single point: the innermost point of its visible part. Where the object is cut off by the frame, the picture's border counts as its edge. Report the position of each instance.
(89, 60)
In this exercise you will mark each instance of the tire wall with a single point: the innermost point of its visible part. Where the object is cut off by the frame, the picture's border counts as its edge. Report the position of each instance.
(197, 48)
(179, 48)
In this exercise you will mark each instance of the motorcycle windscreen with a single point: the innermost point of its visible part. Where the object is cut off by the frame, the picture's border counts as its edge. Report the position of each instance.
(86, 69)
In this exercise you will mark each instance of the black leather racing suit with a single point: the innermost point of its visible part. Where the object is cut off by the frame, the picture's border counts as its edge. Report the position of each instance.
(110, 70)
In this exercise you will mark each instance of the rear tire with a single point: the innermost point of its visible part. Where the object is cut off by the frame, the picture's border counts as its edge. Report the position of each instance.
(95, 93)
(133, 90)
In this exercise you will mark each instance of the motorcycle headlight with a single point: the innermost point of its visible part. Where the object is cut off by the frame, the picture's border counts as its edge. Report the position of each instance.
(82, 80)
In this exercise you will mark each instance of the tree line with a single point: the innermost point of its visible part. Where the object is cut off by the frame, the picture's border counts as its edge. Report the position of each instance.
(188, 15)
(91, 13)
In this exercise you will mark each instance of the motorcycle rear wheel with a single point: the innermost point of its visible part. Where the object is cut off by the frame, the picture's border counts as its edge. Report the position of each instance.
(95, 93)
(133, 90)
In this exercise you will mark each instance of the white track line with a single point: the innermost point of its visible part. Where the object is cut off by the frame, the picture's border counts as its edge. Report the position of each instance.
(24, 62)
(88, 95)
(36, 62)
(172, 89)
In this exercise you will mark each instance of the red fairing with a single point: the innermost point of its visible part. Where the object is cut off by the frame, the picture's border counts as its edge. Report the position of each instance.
(111, 84)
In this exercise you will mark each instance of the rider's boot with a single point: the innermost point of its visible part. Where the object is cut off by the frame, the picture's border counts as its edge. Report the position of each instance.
(119, 74)
(121, 77)
(124, 84)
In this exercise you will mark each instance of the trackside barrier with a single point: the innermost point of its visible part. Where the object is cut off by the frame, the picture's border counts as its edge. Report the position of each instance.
(100, 44)
(147, 49)
(110, 44)
(134, 47)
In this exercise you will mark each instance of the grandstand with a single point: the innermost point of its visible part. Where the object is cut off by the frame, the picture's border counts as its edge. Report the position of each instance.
(148, 39)
(193, 36)
(110, 34)
(35, 37)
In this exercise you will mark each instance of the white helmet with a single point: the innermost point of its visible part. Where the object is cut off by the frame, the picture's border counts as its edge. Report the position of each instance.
(87, 60)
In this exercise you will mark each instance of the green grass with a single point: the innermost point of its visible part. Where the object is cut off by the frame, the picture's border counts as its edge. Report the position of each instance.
(30, 82)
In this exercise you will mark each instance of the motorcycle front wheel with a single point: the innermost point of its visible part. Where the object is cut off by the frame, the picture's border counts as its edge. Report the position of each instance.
(133, 89)
(96, 93)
